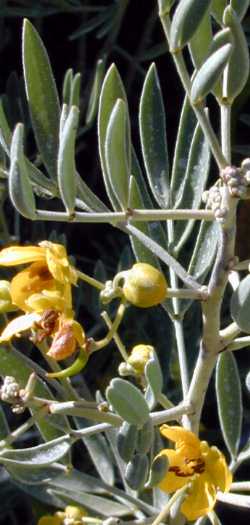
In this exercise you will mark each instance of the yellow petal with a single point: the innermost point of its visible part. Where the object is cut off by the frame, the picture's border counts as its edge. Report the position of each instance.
(200, 499)
(58, 263)
(216, 468)
(32, 280)
(15, 255)
(172, 481)
(46, 300)
(18, 325)
(187, 443)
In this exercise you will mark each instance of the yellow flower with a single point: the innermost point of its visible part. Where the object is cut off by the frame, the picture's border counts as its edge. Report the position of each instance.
(46, 281)
(195, 463)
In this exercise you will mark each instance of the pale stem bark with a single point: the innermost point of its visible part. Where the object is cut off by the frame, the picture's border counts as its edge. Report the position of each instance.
(13, 436)
(225, 111)
(135, 215)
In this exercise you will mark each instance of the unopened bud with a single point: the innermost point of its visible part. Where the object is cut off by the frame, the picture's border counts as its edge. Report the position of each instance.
(6, 304)
(139, 357)
(144, 285)
(245, 164)
(10, 390)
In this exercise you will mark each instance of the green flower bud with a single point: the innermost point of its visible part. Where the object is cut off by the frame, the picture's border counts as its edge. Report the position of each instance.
(144, 285)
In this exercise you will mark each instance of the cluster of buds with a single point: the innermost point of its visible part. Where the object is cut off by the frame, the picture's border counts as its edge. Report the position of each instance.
(11, 392)
(213, 200)
(235, 179)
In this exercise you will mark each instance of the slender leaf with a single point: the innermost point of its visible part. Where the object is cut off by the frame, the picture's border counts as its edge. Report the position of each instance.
(66, 160)
(101, 506)
(42, 96)
(95, 92)
(118, 151)
(4, 427)
(136, 201)
(41, 455)
(217, 9)
(186, 20)
(201, 41)
(182, 149)
(237, 71)
(153, 137)
(209, 73)
(12, 363)
(20, 188)
(112, 90)
(229, 399)
(193, 185)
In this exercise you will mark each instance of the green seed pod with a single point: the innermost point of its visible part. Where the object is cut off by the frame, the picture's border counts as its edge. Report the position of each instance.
(209, 73)
(158, 471)
(137, 472)
(186, 21)
(145, 437)
(126, 441)
(240, 305)
(238, 67)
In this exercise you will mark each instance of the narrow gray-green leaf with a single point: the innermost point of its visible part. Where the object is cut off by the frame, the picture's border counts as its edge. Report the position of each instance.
(4, 427)
(209, 73)
(104, 507)
(220, 39)
(136, 201)
(240, 303)
(201, 40)
(240, 7)
(20, 188)
(37, 475)
(194, 183)
(42, 96)
(67, 81)
(75, 90)
(154, 376)
(95, 92)
(237, 71)
(112, 89)
(204, 250)
(128, 401)
(152, 123)
(66, 160)
(12, 363)
(118, 151)
(5, 132)
(41, 455)
(186, 20)
(203, 255)
(229, 399)
(182, 149)
(217, 9)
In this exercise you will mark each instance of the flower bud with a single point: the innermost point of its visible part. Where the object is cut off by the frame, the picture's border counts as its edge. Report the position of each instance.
(139, 357)
(144, 285)
(75, 513)
(6, 304)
